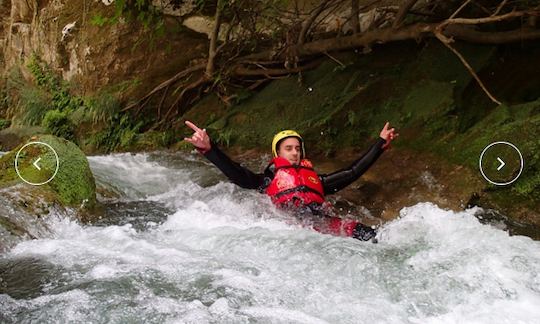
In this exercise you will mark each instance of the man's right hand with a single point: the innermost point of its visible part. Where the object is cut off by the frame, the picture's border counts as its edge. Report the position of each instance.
(199, 139)
(388, 134)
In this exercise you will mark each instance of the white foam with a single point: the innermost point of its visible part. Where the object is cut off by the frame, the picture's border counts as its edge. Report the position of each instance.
(135, 175)
(226, 255)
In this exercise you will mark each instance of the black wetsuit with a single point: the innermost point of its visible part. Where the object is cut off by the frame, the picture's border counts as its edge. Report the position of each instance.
(331, 183)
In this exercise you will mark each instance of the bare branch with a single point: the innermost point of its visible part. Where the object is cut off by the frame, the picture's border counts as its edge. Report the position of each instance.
(334, 59)
(459, 9)
(499, 8)
(166, 83)
(485, 20)
(306, 25)
(269, 73)
(446, 41)
(491, 38)
(402, 12)
(196, 84)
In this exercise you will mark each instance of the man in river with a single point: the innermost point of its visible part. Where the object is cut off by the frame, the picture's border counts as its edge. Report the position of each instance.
(291, 182)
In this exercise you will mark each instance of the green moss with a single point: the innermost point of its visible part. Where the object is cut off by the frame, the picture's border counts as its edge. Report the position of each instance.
(518, 124)
(437, 63)
(74, 183)
(429, 99)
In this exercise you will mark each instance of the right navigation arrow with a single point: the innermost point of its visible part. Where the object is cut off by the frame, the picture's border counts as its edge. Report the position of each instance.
(502, 164)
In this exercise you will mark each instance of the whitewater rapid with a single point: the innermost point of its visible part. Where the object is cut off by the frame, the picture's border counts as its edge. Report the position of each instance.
(183, 245)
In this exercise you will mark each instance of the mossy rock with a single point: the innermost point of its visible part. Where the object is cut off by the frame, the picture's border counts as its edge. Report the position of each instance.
(15, 135)
(73, 185)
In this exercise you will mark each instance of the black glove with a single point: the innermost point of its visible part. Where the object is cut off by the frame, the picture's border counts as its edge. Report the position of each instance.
(364, 233)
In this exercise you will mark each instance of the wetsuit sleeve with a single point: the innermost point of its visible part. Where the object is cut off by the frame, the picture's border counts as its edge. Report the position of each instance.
(338, 180)
(238, 174)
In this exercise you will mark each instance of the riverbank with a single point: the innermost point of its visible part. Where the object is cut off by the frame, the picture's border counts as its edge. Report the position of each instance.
(444, 118)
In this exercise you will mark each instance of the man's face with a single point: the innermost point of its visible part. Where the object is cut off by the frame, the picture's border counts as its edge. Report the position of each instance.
(290, 149)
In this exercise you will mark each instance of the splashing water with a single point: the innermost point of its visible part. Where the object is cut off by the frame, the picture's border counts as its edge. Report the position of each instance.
(187, 246)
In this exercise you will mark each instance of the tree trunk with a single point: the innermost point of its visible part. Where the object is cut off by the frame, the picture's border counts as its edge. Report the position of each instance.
(355, 10)
(213, 41)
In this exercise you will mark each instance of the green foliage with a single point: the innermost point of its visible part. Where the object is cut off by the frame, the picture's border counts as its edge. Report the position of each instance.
(102, 108)
(168, 137)
(4, 123)
(34, 106)
(99, 20)
(58, 124)
(53, 106)
(45, 78)
(50, 103)
(140, 10)
(5, 100)
(48, 81)
(224, 137)
(121, 133)
(63, 100)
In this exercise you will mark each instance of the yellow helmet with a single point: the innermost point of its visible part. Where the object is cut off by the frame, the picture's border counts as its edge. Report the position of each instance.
(283, 135)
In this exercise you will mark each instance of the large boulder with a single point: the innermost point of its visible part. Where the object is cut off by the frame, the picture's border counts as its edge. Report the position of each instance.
(25, 209)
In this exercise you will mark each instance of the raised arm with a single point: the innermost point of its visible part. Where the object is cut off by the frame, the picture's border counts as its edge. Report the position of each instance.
(338, 180)
(239, 175)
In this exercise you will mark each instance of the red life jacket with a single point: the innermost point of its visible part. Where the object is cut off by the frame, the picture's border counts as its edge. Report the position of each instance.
(299, 185)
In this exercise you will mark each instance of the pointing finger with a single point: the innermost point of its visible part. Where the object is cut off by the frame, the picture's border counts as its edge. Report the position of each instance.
(192, 126)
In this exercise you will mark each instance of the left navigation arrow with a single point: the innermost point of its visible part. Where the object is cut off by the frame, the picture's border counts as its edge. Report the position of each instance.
(36, 164)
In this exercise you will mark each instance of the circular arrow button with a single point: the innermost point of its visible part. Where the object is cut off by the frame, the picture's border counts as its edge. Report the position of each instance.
(36, 163)
(501, 163)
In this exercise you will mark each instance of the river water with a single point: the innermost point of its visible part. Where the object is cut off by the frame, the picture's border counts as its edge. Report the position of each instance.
(179, 244)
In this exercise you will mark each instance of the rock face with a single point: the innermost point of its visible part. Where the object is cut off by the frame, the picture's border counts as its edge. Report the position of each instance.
(25, 209)
(78, 41)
